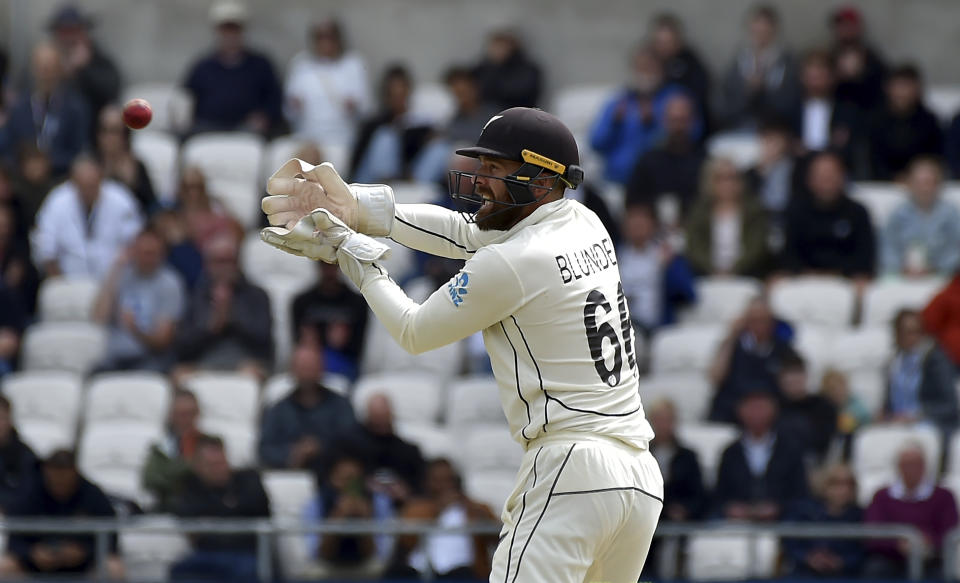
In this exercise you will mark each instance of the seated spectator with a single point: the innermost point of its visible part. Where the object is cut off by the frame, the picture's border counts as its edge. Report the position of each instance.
(747, 360)
(140, 301)
(851, 412)
(32, 182)
(389, 143)
(308, 426)
(327, 305)
(762, 79)
(88, 68)
(922, 236)
(345, 496)
(914, 499)
(727, 227)
(810, 419)
(762, 473)
(508, 77)
(168, 462)
(19, 469)
(904, 128)
(215, 490)
(471, 112)
(683, 489)
(50, 116)
(326, 92)
(396, 464)
(836, 501)
(941, 318)
(455, 556)
(920, 378)
(820, 120)
(860, 69)
(233, 87)
(19, 276)
(119, 162)
(227, 324)
(633, 121)
(13, 322)
(85, 223)
(828, 233)
(774, 179)
(62, 494)
(672, 167)
(681, 63)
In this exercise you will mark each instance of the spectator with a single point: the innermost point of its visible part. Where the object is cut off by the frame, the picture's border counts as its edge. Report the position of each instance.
(828, 232)
(748, 360)
(84, 223)
(941, 318)
(63, 494)
(922, 236)
(18, 275)
(472, 112)
(851, 412)
(727, 228)
(672, 167)
(168, 462)
(820, 120)
(920, 378)
(344, 496)
(761, 473)
(306, 428)
(913, 499)
(860, 70)
(234, 87)
(390, 142)
(633, 121)
(215, 490)
(762, 79)
(13, 322)
(141, 300)
(85, 64)
(681, 64)
(32, 181)
(810, 419)
(326, 305)
(51, 116)
(327, 92)
(228, 324)
(119, 162)
(683, 481)
(836, 502)
(774, 178)
(396, 464)
(19, 472)
(455, 556)
(508, 77)
(904, 128)
(952, 147)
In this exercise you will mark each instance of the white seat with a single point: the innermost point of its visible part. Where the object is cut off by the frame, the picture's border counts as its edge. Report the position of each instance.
(432, 102)
(579, 105)
(280, 385)
(433, 440)
(474, 400)
(128, 396)
(713, 556)
(44, 437)
(401, 261)
(231, 165)
(691, 393)
(413, 192)
(812, 342)
(822, 301)
(951, 193)
(278, 151)
(239, 440)
(113, 455)
(159, 151)
(880, 198)
(382, 355)
(687, 349)
(721, 300)
(68, 346)
(861, 349)
(289, 494)
(870, 386)
(64, 299)
(51, 398)
(415, 397)
(172, 105)
(953, 456)
(489, 448)
(282, 290)
(943, 101)
(743, 149)
(708, 440)
(226, 396)
(492, 488)
(875, 450)
(882, 301)
(262, 262)
(148, 553)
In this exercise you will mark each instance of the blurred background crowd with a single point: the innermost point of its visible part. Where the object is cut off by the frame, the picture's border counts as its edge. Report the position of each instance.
(788, 234)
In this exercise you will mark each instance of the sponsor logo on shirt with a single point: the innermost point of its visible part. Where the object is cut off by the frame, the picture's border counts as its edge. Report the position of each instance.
(457, 288)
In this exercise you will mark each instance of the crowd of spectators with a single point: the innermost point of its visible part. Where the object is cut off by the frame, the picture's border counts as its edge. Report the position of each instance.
(76, 202)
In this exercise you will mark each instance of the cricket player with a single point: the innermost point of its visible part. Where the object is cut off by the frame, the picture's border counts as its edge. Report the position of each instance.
(542, 283)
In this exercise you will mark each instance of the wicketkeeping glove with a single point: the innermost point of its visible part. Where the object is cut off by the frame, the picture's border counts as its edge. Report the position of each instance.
(356, 252)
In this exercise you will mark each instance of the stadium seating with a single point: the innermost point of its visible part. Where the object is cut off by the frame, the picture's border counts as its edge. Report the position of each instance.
(416, 397)
(382, 354)
(289, 494)
(743, 149)
(239, 440)
(112, 456)
(414, 193)
(721, 300)
(45, 437)
(45, 399)
(488, 448)
(231, 165)
(262, 262)
(578, 106)
(282, 290)
(225, 396)
(691, 393)
(280, 385)
(63, 299)
(685, 349)
(875, 449)
(718, 556)
(880, 198)
(128, 396)
(953, 455)
(68, 346)
(401, 261)
(159, 151)
(433, 102)
(150, 547)
(883, 300)
(474, 401)
(172, 105)
(492, 488)
(708, 440)
(823, 301)
(433, 440)
(951, 193)
(943, 101)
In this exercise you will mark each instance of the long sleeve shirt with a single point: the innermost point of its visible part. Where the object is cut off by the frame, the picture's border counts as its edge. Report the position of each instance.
(934, 234)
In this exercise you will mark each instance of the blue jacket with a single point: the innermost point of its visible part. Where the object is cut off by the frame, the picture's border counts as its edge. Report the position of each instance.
(224, 96)
(796, 550)
(64, 130)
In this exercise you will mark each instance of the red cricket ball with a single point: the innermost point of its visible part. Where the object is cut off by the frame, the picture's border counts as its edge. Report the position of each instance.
(137, 114)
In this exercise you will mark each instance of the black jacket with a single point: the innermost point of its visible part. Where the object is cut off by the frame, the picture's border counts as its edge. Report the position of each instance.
(896, 139)
(750, 369)
(684, 484)
(687, 69)
(661, 171)
(837, 239)
(317, 308)
(811, 421)
(516, 82)
(784, 481)
(19, 473)
(243, 497)
(390, 452)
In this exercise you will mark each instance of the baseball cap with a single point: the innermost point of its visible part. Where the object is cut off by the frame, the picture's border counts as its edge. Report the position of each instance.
(530, 135)
(228, 12)
(847, 15)
(69, 15)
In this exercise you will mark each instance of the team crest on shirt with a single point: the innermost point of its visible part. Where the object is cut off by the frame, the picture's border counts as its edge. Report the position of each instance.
(457, 288)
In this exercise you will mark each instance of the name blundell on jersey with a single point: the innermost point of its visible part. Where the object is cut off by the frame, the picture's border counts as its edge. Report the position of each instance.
(579, 263)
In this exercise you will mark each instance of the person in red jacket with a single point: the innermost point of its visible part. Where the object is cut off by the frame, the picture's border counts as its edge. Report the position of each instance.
(942, 319)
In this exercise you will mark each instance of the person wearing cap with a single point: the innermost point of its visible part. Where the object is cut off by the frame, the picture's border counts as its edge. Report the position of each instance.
(542, 282)
(233, 87)
(860, 69)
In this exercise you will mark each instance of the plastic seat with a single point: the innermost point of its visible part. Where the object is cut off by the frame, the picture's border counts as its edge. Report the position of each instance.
(147, 552)
(489, 448)
(113, 455)
(875, 449)
(416, 397)
(720, 556)
(44, 437)
(492, 488)
(67, 346)
(433, 440)
(64, 299)
(473, 401)
(231, 165)
(226, 396)
(880, 199)
(172, 104)
(943, 101)
(289, 494)
(46, 397)
(721, 300)
(159, 152)
(262, 262)
(870, 386)
(128, 396)
(239, 440)
(690, 392)
(382, 355)
(708, 440)
(685, 349)
(579, 105)
(282, 290)
(882, 301)
(432, 102)
(821, 301)
(743, 149)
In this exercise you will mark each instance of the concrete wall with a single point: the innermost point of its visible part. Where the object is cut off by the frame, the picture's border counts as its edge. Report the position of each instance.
(581, 41)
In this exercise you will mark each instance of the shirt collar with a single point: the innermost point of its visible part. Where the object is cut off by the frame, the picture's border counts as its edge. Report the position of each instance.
(898, 491)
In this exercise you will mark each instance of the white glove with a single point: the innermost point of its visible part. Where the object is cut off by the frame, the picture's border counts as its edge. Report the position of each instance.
(298, 188)
(301, 240)
(356, 252)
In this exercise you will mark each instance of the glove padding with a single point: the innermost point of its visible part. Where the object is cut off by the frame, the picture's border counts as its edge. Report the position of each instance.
(302, 240)
(356, 252)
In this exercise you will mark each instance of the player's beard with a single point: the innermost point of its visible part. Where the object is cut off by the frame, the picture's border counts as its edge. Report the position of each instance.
(493, 216)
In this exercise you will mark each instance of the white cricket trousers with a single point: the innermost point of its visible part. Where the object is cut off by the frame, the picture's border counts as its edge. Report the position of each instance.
(583, 511)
